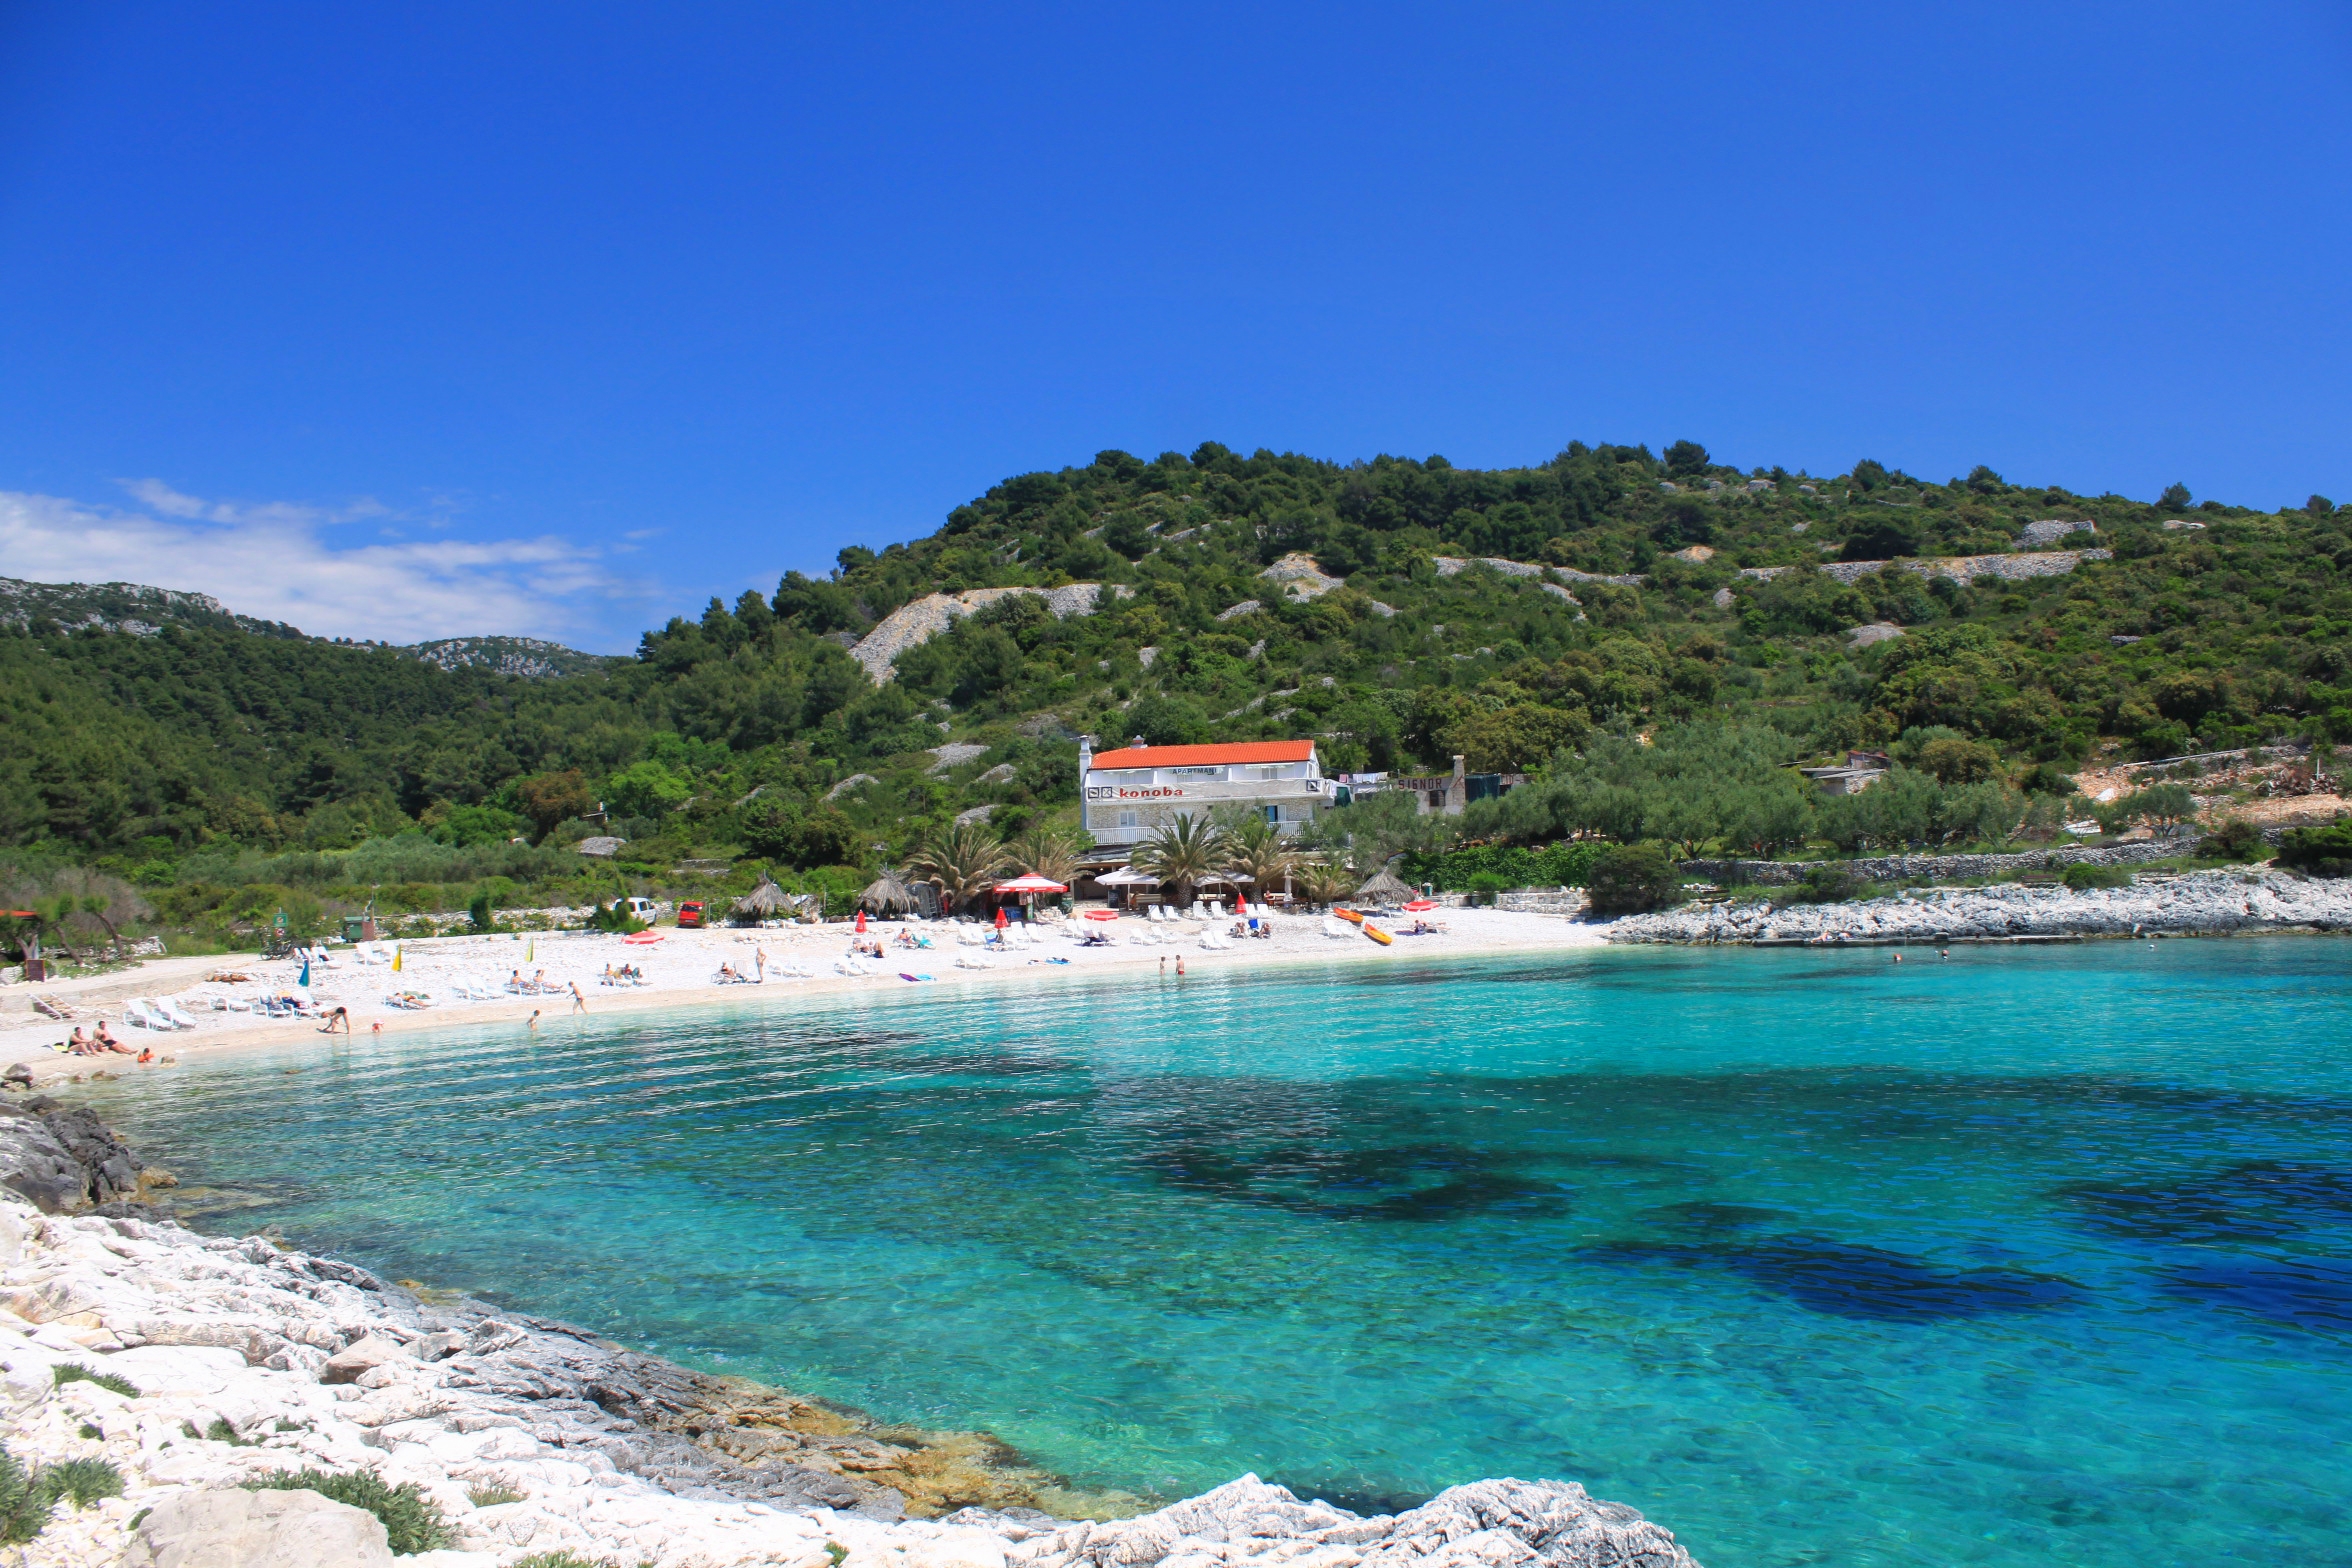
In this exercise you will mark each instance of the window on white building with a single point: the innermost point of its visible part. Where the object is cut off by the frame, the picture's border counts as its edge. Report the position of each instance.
(1127, 819)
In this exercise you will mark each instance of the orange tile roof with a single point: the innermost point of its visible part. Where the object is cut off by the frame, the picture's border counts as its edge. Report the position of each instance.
(1206, 756)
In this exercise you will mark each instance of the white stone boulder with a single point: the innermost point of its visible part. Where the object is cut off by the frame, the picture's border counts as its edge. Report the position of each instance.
(350, 1363)
(240, 1529)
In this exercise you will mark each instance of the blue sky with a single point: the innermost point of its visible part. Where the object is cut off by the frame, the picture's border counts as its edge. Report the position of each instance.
(404, 321)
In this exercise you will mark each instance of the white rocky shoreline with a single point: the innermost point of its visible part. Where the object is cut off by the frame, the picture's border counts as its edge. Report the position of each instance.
(536, 1438)
(2188, 903)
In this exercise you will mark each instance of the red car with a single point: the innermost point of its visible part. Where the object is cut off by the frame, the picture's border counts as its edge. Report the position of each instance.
(690, 915)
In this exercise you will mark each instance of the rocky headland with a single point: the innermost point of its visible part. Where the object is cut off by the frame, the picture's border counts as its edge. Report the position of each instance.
(2189, 903)
(198, 1366)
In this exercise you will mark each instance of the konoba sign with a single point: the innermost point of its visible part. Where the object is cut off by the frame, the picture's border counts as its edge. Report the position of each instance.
(1250, 789)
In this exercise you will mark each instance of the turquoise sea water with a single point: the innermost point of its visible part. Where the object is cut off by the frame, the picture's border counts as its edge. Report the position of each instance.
(2015, 1258)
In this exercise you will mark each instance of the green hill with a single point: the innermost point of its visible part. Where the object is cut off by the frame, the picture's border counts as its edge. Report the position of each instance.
(1400, 610)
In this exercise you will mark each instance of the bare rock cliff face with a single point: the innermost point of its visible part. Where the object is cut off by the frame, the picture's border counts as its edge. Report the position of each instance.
(59, 1160)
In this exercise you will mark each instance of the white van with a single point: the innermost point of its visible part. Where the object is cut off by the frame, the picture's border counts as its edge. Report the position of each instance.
(640, 909)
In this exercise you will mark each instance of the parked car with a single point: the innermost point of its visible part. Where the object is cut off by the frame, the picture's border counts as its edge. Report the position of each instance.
(690, 914)
(640, 909)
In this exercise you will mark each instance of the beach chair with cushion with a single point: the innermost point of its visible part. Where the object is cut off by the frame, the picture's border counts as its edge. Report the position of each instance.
(171, 1009)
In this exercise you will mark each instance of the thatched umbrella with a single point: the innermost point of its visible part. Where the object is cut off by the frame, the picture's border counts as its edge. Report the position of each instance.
(764, 902)
(887, 895)
(1384, 888)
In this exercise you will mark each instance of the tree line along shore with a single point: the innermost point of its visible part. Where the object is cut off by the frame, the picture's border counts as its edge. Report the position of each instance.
(1653, 641)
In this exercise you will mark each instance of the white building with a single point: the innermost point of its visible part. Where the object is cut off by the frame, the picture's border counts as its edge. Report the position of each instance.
(1135, 791)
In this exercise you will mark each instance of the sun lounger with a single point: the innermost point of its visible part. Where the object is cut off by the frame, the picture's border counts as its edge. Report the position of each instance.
(172, 1010)
(137, 1012)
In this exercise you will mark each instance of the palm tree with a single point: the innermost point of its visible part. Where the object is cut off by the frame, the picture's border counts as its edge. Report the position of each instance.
(1182, 853)
(963, 860)
(1045, 852)
(1323, 882)
(1254, 848)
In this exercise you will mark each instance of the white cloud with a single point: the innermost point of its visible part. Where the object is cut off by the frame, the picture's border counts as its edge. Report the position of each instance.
(276, 560)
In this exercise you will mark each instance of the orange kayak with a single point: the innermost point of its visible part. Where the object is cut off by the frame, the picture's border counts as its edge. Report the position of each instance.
(1376, 934)
(1350, 916)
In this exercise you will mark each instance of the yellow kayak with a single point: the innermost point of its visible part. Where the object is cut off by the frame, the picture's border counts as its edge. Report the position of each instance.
(1374, 932)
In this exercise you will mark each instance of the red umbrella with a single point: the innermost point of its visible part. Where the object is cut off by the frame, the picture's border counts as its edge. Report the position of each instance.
(1240, 902)
(1001, 922)
(1419, 904)
(861, 923)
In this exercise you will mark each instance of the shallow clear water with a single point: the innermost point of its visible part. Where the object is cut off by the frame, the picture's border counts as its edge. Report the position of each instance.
(2015, 1258)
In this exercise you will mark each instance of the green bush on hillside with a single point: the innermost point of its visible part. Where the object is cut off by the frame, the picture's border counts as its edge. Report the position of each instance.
(2082, 874)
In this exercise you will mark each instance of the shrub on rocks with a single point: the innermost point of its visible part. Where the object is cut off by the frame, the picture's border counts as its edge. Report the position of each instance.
(75, 1372)
(28, 1497)
(86, 1481)
(2082, 875)
(1633, 879)
(412, 1521)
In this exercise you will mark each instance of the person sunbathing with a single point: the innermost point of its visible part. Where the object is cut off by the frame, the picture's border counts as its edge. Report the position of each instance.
(728, 976)
(514, 982)
(107, 1042)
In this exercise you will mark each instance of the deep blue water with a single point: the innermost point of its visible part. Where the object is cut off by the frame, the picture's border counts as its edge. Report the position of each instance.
(2023, 1257)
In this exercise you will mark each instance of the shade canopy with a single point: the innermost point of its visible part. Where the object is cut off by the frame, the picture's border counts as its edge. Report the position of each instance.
(764, 901)
(1031, 883)
(1415, 906)
(887, 895)
(1128, 876)
(1382, 889)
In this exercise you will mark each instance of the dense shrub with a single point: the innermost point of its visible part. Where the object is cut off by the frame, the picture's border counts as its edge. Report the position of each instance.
(2236, 839)
(2082, 874)
(1496, 867)
(2319, 852)
(1629, 879)
(1828, 883)
(24, 1506)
